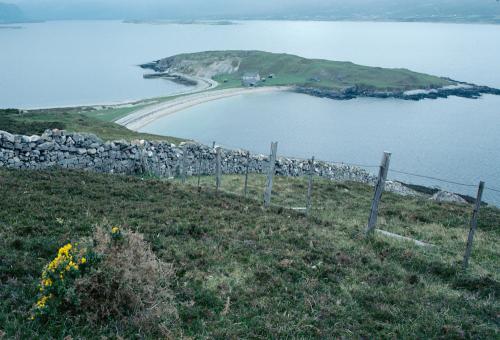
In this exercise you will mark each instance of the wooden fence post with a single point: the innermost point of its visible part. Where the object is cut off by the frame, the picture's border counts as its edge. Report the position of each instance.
(379, 189)
(184, 166)
(247, 165)
(142, 152)
(309, 186)
(199, 171)
(473, 225)
(270, 174)
(218, 168)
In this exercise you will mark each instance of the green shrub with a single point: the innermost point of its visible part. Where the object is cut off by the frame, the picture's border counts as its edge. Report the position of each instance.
(56, 288)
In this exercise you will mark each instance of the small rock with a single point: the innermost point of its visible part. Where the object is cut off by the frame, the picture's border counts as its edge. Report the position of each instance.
(46, 146)
(8, 137)
(34, 138)
(449, 197)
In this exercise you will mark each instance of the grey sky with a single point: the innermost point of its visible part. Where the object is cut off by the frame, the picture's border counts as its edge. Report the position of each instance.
(250, 8)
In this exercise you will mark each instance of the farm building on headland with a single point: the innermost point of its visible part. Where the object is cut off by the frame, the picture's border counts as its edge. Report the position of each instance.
(250, 79)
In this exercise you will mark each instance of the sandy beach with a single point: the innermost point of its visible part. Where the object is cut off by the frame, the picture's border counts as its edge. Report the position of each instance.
(142, 117)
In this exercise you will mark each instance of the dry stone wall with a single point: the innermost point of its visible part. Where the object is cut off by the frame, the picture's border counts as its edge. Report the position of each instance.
(57, 148)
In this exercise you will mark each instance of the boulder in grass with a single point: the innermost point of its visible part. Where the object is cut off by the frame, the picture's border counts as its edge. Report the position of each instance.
(400, 189)
(447, 197)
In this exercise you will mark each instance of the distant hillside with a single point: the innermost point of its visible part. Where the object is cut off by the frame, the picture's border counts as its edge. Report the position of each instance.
(455, 11)
(381, 10)
(10, 13)
(285, 69)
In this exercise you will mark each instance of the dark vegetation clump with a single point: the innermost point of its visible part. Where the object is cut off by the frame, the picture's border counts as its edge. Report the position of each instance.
(10, 121)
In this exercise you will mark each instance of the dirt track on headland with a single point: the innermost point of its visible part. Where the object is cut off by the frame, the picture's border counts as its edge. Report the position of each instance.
(142, 117)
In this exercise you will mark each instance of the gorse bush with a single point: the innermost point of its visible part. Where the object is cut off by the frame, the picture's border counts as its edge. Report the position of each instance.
(130, 283)
(56, 286)
(112, 276)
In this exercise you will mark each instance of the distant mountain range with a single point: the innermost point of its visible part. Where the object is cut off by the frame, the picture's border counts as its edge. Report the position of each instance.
(377, 10)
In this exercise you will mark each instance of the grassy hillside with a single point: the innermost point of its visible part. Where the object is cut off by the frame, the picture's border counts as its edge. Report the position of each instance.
(98, 122)
(227, 67)
(241, 271)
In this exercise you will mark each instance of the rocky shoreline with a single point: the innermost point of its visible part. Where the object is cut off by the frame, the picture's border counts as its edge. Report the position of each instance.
(464, 90)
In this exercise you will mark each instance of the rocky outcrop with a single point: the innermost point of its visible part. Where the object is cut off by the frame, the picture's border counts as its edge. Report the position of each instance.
(176, 78)
(447, 197)
(209, 67)
(56, 148)
(464, 90)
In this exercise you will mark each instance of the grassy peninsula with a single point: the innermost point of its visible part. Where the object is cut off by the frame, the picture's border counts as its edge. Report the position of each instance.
(317, 77)
(228, 67)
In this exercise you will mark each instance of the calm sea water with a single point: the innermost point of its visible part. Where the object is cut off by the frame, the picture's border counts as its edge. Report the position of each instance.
(72, 63)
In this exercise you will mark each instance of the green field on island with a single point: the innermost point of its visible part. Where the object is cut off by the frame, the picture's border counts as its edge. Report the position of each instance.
(228, 68)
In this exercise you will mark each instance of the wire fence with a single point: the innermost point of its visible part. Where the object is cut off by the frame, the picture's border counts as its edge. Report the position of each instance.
(207, 166)
(297, 191)
(419, 176)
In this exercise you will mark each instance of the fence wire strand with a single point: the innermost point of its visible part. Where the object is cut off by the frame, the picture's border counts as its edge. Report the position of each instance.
(493, 189)
(412, 174)
(433, 178)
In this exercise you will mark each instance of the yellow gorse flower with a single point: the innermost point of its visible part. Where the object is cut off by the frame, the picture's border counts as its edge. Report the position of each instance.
(115, 230)
(43, 301)
(83, 260)
(47, 282)
(63, 256)
(71, 265)
(65, 250)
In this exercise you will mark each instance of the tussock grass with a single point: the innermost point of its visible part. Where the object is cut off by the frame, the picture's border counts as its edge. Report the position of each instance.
(241, 271)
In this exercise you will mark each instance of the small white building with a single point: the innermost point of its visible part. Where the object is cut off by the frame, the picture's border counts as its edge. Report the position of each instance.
(250, 79)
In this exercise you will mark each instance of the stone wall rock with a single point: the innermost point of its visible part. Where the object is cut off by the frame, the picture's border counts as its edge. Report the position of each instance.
(57, 148)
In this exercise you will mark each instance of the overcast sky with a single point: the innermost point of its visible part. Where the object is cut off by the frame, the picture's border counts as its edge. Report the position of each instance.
(248, 8)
